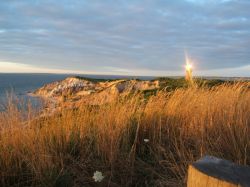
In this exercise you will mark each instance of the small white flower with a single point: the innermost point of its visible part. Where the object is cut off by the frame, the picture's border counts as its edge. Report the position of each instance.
(146, 140)
(98, 177)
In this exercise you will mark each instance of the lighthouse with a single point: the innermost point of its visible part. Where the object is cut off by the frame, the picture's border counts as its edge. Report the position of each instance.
(189, 71)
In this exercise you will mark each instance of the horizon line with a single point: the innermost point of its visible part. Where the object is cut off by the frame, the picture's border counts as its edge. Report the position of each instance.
(123, 75)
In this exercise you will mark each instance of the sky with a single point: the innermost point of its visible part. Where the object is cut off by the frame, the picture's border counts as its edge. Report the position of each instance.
(125, 37)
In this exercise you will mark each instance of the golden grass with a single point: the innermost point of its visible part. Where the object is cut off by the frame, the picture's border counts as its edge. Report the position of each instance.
(68, 147)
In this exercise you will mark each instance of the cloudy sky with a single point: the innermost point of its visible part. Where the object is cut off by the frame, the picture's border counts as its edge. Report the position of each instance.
(127, 37)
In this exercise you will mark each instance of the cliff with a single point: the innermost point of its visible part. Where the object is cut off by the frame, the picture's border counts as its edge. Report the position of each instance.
(74, 90)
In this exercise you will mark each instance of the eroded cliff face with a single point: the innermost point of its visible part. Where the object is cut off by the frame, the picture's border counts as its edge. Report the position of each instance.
(74, 91)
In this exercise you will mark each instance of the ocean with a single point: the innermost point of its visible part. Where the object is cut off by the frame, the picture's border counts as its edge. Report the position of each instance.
(20, 85)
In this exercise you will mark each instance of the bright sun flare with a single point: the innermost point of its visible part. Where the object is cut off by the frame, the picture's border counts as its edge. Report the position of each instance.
(188, 67)
(189, 71)
(188, 64)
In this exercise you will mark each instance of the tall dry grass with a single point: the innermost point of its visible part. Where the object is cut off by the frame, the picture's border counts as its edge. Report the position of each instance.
(66, 148)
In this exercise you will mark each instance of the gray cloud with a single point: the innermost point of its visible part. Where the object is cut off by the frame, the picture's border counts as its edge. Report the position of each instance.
(121, 34)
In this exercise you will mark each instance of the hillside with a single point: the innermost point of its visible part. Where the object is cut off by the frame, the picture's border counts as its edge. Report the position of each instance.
(75, 90)
(130, 141)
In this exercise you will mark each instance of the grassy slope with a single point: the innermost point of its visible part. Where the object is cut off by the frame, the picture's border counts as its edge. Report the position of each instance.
(181, 126)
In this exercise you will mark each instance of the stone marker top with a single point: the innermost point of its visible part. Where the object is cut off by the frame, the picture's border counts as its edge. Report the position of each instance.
(224, 170)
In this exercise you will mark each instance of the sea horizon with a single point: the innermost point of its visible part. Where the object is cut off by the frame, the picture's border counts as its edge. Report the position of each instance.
(20, 84)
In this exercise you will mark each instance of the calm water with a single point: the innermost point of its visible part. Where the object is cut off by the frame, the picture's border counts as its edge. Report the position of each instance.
(21, 84)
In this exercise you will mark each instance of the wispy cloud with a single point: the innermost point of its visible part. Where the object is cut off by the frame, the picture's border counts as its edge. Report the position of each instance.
(12, 67)
(126, 36)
